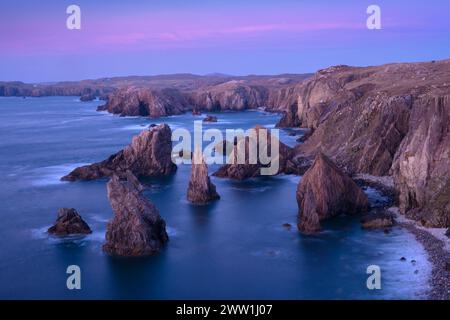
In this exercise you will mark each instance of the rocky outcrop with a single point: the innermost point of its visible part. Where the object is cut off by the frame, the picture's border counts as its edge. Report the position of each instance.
(149, 154)
(232, 95)
(145, 102)
(168, 96)
(234, 169)
(325, 192)
(210, 118)
(379, 219)
(69, 222)
(200, 190)
(137, 229)
(88, 96)
(385, 120)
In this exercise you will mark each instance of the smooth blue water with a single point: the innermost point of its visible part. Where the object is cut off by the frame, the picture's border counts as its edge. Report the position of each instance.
(233, 248)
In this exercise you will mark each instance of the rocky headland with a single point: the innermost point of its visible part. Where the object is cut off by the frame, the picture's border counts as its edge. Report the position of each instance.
(391, 120)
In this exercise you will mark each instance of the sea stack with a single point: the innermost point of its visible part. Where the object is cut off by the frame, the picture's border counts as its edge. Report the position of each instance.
(137, 229)
(201, 190)
(149, 154)
(324, 192)
(69, 222)
(242, 171)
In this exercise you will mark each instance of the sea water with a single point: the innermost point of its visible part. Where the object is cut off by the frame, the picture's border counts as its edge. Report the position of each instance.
(233, 248)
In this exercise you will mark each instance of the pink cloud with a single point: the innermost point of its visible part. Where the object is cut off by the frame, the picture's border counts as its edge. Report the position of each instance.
(165, 30)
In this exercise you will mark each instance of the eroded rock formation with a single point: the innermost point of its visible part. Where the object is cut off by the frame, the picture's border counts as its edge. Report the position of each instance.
(137, 229)
(325, 192)
(241, 170)
(149, 154)
(69, 222)
(379, 219)
(200, 190)
(386, 120)
(145, 102)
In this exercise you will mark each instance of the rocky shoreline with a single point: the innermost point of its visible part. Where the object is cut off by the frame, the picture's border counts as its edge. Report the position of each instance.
(438, 256)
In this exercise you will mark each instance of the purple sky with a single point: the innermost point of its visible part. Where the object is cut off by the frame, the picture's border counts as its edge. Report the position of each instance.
(205, 36)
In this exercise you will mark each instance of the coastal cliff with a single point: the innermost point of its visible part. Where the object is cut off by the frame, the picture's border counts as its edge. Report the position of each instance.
(386, 120)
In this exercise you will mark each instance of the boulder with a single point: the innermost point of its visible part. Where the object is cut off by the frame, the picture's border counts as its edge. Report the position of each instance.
(201, 190)
(210, 118)
(325, 192)
(378, 219)
(137, 229)
(69, 222)
(149, 154)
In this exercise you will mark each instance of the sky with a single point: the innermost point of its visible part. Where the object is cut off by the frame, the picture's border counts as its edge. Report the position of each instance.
(239, 37)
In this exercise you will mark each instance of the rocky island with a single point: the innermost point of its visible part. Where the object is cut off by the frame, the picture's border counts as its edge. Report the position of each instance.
(149, 154)
(69, 222)
(200, 190)
(137, 229)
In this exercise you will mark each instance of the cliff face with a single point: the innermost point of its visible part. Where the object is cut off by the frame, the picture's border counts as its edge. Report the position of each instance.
(137, 229)
(232, 95)
(207, 93)
(421, 165)
(82, 88)
(145, 102)
(386, 120)
(149, 154)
